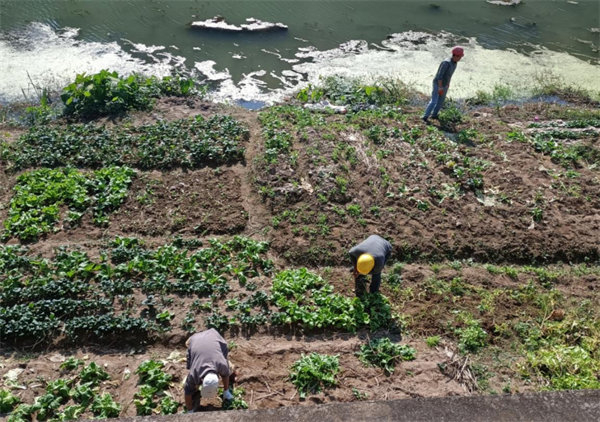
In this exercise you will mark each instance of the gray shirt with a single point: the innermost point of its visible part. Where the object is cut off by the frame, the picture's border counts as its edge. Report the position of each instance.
(207, 352)
(376, 246)
(445, 72)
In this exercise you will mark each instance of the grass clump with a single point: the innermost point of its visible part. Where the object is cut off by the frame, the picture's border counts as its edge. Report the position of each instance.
(565, 367)
(551, 85)
(433, 341)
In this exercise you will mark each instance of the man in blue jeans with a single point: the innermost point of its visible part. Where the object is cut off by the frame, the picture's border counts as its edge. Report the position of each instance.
(441, 83)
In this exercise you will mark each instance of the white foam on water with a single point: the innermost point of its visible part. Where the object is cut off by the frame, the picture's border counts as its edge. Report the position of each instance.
(207, 68)
(50, 58)
(142, 48)
(47, 58)
(415, 57)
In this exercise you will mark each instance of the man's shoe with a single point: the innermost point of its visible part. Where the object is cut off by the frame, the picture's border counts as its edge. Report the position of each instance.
(425, 119)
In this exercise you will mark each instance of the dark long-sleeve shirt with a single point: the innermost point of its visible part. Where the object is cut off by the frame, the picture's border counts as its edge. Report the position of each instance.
(376, 246)
(445, 72)
(207, 352)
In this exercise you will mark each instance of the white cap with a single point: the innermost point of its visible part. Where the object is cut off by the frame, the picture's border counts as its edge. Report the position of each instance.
(210, 385)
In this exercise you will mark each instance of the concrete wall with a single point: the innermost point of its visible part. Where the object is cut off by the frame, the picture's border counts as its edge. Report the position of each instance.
(558, 406)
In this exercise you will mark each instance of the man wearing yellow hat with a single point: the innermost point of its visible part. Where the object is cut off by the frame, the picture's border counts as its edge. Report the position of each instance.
(369, 257)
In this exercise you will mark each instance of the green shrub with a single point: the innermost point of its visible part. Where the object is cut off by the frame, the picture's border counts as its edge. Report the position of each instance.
(350, 91)
(471, 338)
(107, 93)
(310, 374)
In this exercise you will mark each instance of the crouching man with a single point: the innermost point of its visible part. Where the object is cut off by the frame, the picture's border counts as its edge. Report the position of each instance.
(206, 361)
(369, 257)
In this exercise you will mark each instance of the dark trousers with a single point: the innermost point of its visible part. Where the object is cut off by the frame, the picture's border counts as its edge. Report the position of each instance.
(360, 284)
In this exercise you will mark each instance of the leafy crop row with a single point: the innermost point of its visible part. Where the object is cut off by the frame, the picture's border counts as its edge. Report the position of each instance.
(35, 208)
(76, 295)
(278, 125)
(456, 160)
(569, 155)
(305, 300)
(187, 143)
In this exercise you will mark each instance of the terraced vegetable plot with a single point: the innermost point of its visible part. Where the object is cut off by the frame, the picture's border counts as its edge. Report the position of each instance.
(122, 239)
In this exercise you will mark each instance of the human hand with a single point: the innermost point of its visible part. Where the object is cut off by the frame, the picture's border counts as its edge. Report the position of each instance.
(227, 395)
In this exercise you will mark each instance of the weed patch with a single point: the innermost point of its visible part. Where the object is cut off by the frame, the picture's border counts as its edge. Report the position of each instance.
(385, 354)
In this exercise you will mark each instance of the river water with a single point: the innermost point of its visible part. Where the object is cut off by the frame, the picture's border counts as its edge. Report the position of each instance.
(46, 42)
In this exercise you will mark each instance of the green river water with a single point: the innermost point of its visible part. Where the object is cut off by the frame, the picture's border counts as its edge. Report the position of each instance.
(47, 42)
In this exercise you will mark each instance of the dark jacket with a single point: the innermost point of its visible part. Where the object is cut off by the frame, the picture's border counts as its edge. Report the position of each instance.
(445, 72)
(376, 246)
(207, 352)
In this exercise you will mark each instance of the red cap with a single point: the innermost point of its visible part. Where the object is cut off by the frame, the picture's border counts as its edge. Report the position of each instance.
(458, 51)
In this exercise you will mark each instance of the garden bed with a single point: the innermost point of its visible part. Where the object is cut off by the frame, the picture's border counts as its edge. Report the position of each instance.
(241, 221)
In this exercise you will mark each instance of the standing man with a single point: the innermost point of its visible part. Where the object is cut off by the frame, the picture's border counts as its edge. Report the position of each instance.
(206, 361)
(369, 257)
(441, 83)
